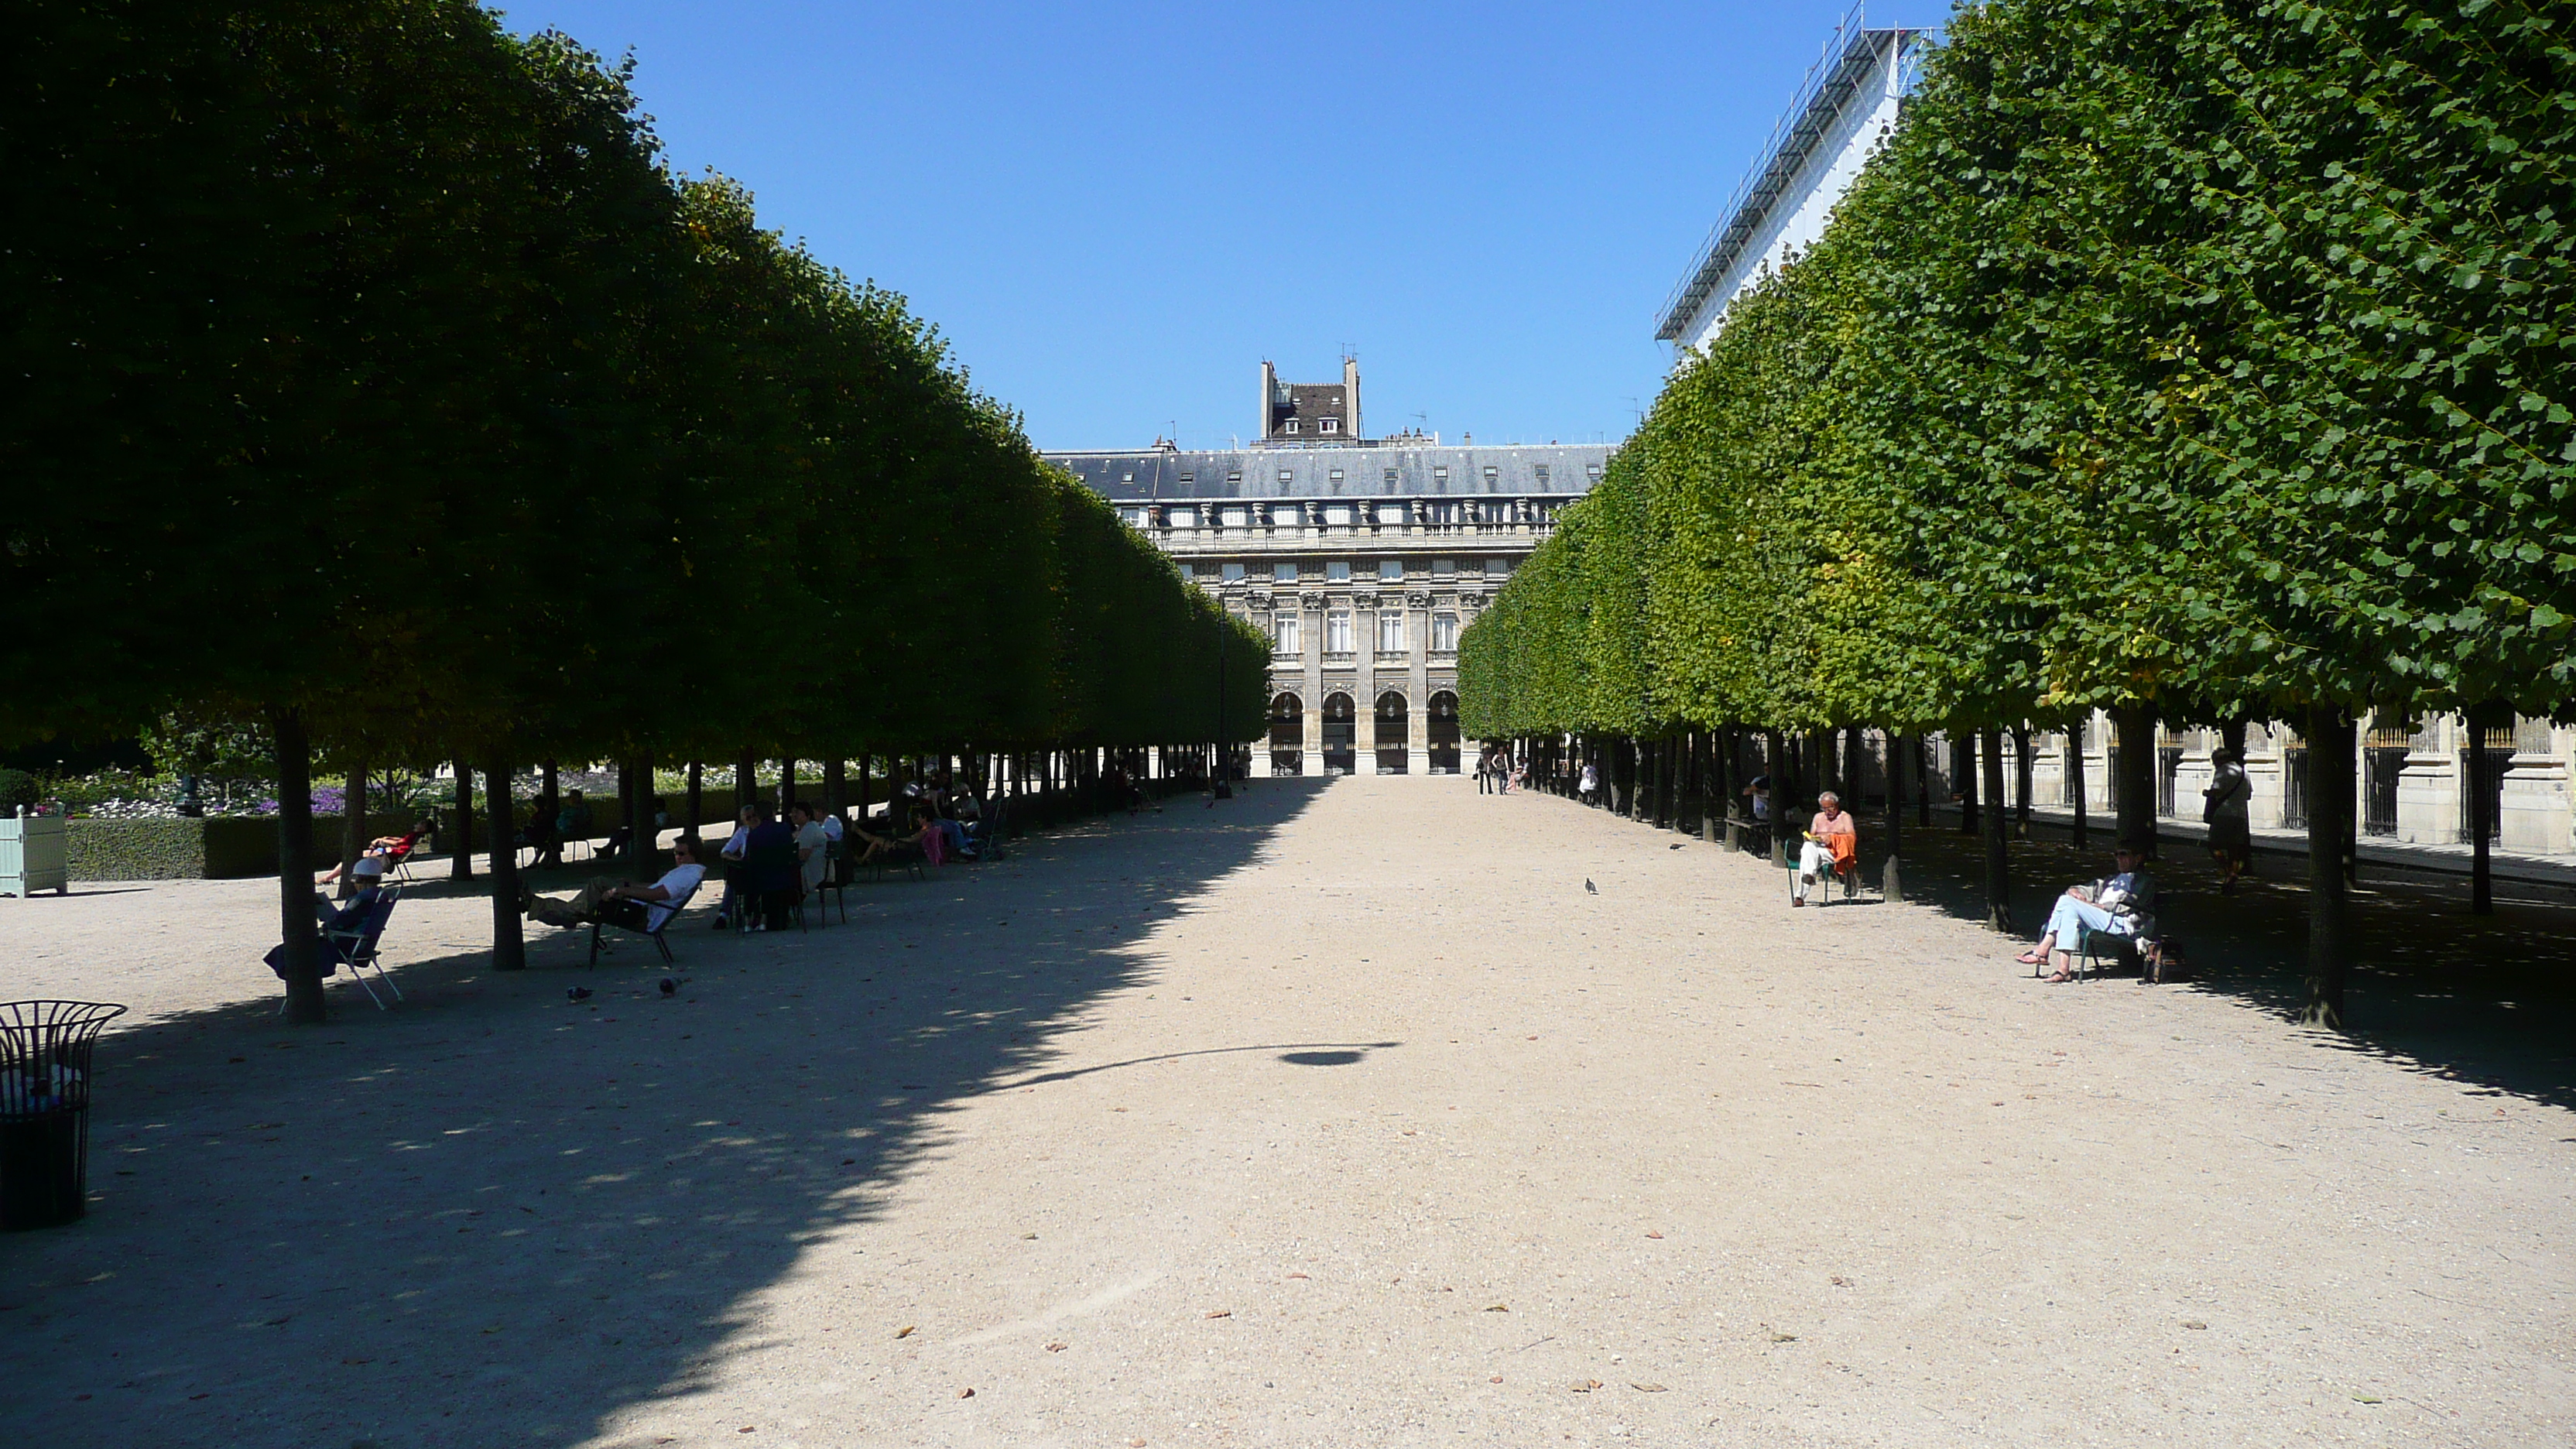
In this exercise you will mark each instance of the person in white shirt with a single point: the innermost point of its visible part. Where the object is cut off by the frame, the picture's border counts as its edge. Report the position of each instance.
(608, 901)
(812, 856)
(731, 854)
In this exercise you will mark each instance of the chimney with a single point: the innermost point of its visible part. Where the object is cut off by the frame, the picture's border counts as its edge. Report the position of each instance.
(1351, 396)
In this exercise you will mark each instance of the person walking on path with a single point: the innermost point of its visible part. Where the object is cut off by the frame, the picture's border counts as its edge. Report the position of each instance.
(1832, 846)
(2231, 826)
(1589, 787)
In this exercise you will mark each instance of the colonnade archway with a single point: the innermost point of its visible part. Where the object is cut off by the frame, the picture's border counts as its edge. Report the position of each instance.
(1287, 735)
(1441, 733)
(1340, 735)
(1391, 725)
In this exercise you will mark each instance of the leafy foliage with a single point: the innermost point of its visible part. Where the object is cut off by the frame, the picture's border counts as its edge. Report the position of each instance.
(2211, 357)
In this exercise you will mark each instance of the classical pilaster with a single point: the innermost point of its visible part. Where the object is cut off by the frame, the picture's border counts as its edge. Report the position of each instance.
(1417, 675)
(1310, 645)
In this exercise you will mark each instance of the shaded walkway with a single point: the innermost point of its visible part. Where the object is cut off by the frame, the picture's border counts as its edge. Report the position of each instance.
(497, 1216)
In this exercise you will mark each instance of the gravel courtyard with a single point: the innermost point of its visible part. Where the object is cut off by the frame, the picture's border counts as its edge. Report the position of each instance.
(1335, 1115)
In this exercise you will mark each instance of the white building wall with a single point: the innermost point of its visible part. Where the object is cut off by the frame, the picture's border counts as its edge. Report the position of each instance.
(1794, 225)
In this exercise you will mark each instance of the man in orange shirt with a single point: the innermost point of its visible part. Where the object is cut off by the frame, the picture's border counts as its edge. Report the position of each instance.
(1832, 845)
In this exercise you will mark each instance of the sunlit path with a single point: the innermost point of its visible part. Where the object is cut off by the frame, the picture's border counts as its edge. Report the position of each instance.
(1337, 1114)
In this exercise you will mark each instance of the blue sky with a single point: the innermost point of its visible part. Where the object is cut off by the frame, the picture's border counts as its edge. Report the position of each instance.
(1115, 212)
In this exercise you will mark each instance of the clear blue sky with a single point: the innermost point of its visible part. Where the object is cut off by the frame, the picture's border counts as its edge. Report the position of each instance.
(1114, 212)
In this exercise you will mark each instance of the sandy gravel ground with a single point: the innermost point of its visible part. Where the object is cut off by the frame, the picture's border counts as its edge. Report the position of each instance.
(1338, 1115)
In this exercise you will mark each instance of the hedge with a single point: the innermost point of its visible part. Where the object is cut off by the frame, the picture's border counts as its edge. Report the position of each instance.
(229, 848)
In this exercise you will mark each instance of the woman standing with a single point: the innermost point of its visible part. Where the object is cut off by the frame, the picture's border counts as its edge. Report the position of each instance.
(2231, 828)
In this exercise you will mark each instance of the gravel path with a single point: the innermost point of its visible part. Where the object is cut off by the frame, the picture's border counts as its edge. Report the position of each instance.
(1337, 1115)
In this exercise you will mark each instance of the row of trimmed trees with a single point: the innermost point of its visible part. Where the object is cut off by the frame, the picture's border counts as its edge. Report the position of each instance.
(371, 377)
(2194, 362)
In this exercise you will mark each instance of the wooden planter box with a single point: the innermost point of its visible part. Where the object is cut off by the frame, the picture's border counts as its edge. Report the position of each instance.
(33, 856)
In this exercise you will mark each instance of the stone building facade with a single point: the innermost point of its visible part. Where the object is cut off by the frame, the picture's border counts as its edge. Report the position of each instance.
(1360, 558)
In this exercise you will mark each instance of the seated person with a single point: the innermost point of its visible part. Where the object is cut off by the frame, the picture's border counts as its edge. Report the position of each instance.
(1832, 846)
(737, 876)
(1759, 792)
(813, 847)
(369, 873)
(2122, 904)
(385, 850)
(770, 869)
(607, 901)
(889, 849)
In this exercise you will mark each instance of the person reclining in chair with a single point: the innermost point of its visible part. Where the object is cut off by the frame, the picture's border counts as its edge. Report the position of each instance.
(385, 850)
(892, 849)
(609, 901)
(2122, 904)
(1832, 846)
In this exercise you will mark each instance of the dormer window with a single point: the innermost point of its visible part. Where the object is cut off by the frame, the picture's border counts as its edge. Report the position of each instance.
(1327, 425)
(1289, 426)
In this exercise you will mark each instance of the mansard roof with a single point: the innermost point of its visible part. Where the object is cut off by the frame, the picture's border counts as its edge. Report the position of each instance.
(1163, 475)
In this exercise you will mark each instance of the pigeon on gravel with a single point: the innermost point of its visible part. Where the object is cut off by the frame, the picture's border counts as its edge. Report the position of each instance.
(670, 987)
(1589, 888)
(577, 993)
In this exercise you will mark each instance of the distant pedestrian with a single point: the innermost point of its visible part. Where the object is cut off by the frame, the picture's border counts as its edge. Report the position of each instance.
(2224, 810)
(1589, 786)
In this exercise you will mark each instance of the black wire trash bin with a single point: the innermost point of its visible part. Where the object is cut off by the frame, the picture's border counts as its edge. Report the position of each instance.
(44, 1109)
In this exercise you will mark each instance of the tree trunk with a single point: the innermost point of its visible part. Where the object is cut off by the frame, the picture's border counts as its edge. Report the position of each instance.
(1923, 781)
(2134, 795)
(746, 782)
(460, 860)
(1892, 882)
(353, 828)
(509, 945)
(2330, 786)
(1855, 767)
(786, 784)
(836, 784)
(626, 812)
(305, 1005)
(1997, 830)
(2075, 777)
(2481, 809)
(1963, 778)
(1776, 746)
(549, 810)
(644, 838)
(2022, 772)
(697, 797)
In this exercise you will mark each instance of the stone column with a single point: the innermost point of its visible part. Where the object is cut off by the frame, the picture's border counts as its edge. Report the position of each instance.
(1417, 675)
(1310, 645)
(1363, 607)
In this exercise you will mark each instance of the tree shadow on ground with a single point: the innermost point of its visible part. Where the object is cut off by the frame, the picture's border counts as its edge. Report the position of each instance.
(2489, 1000)
(493, 1215)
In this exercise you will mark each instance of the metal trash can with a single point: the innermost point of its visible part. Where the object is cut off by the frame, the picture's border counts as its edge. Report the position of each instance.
(44, 1109)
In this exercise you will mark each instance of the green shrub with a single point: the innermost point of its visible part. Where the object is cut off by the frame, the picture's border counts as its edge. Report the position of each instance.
(230, 848)
(136, 849)
(17, 788)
